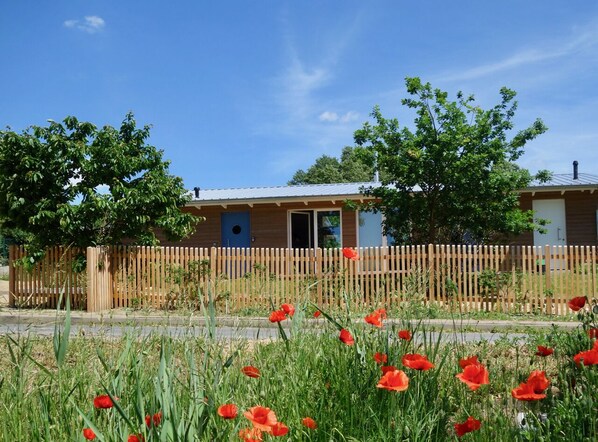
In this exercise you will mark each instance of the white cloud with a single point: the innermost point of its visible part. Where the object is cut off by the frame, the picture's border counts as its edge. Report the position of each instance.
(328, 116)
(331, 117)
(90, 24)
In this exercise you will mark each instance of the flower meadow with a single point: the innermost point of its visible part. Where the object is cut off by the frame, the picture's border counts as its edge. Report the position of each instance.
(327, 378)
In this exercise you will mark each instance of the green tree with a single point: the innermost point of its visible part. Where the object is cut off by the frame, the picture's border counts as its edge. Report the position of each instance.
(351, 168)
(3, 250)
(454, 178)
(73, 184)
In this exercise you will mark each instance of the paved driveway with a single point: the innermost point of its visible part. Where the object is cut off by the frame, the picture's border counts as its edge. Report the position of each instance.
(222, 332)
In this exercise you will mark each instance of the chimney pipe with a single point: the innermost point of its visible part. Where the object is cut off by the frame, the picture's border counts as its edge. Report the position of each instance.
(575, 174)
(196, 190)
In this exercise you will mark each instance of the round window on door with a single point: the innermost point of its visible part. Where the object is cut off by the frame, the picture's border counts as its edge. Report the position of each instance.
(236, 229)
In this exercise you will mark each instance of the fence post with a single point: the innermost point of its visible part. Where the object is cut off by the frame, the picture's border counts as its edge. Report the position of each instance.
(430, 263)
(11, 276)
(547, 257)
(99, 279)
(212, 258)
(318, 272)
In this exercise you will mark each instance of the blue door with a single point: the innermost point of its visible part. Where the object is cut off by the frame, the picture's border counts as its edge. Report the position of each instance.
(235, 229)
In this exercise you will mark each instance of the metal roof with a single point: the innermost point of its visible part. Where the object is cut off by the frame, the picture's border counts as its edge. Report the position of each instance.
(560, 180)
(341, 191)
(279, 193)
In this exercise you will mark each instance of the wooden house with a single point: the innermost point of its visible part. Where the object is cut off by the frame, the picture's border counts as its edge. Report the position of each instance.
(309, 216)
(304, 216)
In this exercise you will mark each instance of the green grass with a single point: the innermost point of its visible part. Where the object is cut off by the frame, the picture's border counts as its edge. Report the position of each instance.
(47, 386)
(407, 311)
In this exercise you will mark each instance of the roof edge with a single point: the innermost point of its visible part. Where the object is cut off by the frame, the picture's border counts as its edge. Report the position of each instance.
(278, 200)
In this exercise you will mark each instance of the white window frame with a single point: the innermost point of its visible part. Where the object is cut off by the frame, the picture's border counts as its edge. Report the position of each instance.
(314, 227)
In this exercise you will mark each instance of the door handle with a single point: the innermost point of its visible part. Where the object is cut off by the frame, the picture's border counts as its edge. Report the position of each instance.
(558, 235)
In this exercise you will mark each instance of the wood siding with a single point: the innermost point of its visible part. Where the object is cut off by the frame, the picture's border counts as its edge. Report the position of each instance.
(268, 224)
(580, 208)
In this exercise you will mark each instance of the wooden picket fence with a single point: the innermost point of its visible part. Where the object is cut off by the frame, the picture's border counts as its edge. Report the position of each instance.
(459, 277)
(42, 284)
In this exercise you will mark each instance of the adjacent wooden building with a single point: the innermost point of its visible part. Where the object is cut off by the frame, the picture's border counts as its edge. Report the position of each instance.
(570, 202)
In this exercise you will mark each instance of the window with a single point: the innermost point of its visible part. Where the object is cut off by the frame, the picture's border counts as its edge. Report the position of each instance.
(370, 229)
(315, 228)
(329, 229)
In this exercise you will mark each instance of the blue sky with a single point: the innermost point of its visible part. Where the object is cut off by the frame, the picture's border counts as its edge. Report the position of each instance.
(244, 93)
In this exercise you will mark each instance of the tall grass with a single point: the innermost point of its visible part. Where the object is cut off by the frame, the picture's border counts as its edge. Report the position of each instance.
(47, 386)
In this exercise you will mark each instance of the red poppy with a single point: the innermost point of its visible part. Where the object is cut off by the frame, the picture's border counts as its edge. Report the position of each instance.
(251, 434)
(261, 417)
(544, 351)
(289, 309)
(88, 434)
(395, 380)
(277, 316)
(136, 438)
(538, 380)
(346, 337)
(103, 401)
(350, 254)
(386, 368)
(472, 360)
(577, 303)
(228, 411)
(471, 424)
(405, 334)
(279, 429)
(474, 376)
(381, 312)
(317, 313)
(251, 371)
(589, 357)
(156, 419)
(380, 358)
(533, 389)
(417, 362)
(374, 319)
(309, 423)
(593, 333)
(525, 392)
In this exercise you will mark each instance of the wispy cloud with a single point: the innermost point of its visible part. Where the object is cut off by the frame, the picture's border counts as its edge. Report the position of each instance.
(580, 39)
(305, 79)
(349, 116)
(90, 24)
(298, 85)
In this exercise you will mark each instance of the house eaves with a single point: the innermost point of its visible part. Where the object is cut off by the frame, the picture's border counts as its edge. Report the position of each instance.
(339, 192)
(333, 193)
